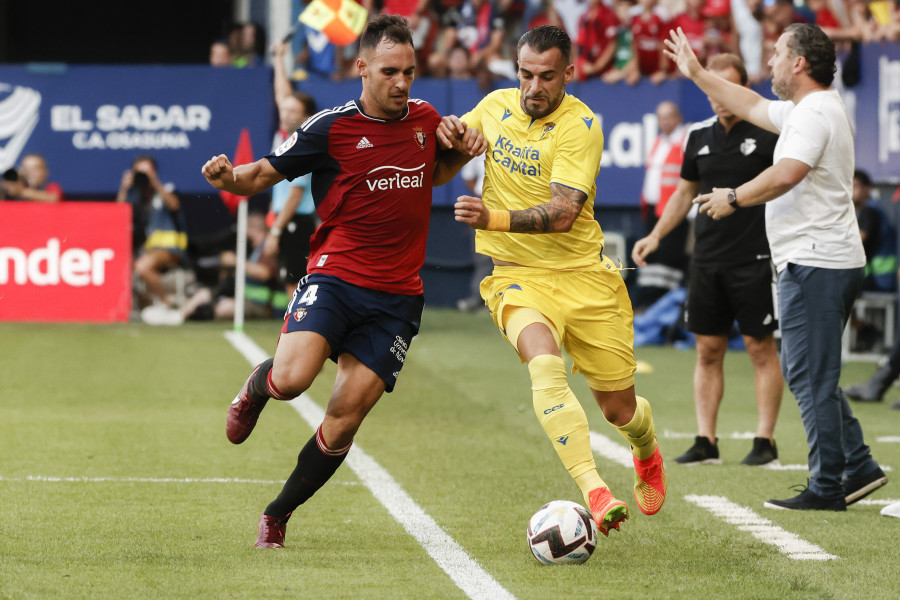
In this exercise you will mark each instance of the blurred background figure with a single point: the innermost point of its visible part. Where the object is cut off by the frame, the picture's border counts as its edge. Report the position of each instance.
(263, 298)
(292, 213)
(220, 54)
(666, 266)
(160, 231)
(30, 182)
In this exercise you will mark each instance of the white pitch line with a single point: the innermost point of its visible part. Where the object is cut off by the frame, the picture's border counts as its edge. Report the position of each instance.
(888, 439)
(762, 529)
(443, 549)
(611, 450)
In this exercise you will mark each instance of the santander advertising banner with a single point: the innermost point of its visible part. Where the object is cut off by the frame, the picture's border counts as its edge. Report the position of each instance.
(65, 262)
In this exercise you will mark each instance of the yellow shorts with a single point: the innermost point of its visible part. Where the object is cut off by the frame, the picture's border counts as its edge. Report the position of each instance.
(589, 307)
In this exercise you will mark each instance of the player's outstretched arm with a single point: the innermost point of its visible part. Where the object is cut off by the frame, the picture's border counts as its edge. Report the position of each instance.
(556, 216)
(740, 100)
(243, 180)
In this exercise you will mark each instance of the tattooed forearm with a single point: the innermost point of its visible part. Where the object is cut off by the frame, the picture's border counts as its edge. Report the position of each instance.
(557, 215)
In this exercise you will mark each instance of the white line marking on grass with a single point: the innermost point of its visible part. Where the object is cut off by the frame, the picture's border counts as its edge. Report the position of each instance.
(450, 556)
(878, 502)
(888, 439)
(611, 450)
(762, 529)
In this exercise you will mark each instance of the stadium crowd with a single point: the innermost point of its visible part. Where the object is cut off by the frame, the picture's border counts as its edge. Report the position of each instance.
(617, 40)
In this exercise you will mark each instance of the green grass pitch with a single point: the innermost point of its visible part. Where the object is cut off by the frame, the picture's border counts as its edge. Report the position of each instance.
(116, 480)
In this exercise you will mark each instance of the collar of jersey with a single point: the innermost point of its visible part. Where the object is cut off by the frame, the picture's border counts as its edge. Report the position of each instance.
(359, 107)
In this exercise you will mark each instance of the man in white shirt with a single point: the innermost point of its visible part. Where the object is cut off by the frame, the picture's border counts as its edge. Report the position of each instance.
(815, 243)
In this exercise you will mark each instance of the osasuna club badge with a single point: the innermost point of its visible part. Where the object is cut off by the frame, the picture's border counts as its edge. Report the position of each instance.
(419, 136)
(299, 314)
(748, 146)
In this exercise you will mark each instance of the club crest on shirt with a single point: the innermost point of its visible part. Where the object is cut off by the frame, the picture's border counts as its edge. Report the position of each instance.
(748, 146)
(299, 314)
(419, 136)
(547, 129)
(287, 145)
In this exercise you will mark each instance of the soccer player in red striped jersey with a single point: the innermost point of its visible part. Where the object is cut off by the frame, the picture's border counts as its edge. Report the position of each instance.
(373, 163)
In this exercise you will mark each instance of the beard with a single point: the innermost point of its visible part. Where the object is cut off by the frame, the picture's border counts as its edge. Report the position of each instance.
(540, 113)
(784, 89)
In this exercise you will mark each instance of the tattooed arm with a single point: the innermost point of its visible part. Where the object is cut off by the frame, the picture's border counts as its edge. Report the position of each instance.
(556, 216)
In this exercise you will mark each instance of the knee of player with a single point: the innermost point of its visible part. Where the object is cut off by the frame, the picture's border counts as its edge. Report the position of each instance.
(290, 380)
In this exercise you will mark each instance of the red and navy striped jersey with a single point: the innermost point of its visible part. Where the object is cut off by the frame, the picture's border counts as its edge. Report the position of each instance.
(371, 181)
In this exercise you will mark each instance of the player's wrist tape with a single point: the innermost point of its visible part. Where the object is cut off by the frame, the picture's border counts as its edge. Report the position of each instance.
(276, 231)
(498, 220)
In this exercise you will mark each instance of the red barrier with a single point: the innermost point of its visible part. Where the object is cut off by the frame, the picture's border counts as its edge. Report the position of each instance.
(65, 262)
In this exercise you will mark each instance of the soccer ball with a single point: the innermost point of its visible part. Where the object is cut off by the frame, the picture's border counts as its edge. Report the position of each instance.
(562, 532)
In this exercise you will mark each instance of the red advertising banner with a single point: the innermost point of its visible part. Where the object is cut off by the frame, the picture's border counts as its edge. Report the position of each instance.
(65, 262)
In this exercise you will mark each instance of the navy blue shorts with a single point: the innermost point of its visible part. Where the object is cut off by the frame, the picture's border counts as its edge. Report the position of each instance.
(375, 327)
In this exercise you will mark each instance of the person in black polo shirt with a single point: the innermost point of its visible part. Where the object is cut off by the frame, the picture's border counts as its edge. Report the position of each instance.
(731, 276)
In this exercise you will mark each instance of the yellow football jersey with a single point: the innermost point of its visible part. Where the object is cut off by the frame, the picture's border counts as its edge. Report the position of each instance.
(524, 156)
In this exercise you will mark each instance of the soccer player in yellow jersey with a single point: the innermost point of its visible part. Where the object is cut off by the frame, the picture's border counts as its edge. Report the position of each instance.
(551, 288)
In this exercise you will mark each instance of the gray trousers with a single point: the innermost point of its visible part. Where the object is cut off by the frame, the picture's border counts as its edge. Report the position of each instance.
(814, 306)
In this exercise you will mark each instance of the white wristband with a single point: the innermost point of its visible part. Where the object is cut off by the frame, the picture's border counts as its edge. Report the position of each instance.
(276, 231)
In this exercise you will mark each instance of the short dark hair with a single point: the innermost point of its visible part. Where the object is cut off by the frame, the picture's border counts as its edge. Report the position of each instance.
(723, 62)
(391, 27)
(863, 177)
(545, 37)
(811, 43)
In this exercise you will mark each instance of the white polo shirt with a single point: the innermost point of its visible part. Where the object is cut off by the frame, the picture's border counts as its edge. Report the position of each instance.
(814, 224)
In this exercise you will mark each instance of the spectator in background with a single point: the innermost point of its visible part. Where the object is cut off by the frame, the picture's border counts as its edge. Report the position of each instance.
(693, 25)
(30, 182)
(596, 37)
(459, 63)
(624, 67)
(292, 214)
(479, 28)
(260, 291)
(220, 54)
(878, 236)
(251, 44)
(747, 17)
(665, 267)
(160, 232)
(719, 29)
(647, 29)
(566, 14)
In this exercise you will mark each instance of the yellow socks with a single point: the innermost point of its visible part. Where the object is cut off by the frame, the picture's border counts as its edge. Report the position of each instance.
(563, 420)
(640, 433)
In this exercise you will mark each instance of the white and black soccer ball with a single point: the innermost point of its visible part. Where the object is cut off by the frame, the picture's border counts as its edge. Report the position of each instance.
(562, 532)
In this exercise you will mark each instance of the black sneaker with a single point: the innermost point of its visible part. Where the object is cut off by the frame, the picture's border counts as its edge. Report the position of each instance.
(703, 452)
(807, 500)
(763, 453)
(860, 487)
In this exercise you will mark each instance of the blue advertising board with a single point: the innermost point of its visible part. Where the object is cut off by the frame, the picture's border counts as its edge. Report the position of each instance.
(91, 121)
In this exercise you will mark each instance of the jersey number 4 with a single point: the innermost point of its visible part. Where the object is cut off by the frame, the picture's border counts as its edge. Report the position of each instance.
(309, 295)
